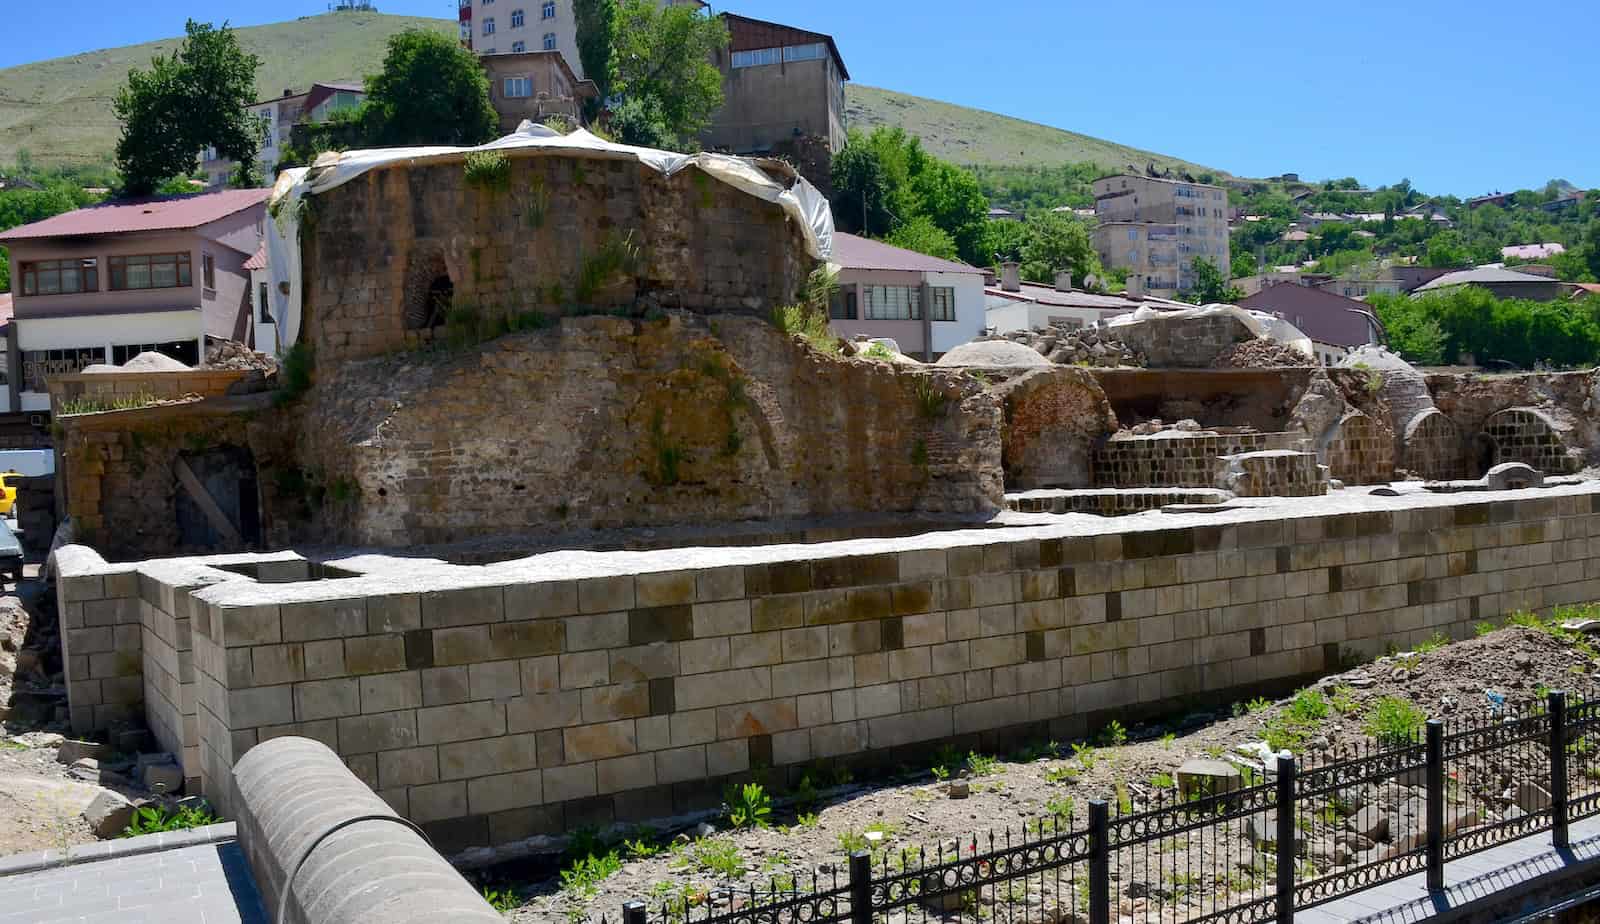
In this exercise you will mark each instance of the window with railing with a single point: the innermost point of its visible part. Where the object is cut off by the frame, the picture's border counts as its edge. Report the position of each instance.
(150, 271)
(60, 277)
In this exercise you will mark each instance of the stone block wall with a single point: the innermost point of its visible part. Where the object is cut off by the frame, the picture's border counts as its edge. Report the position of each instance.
(1053, 420)
(1360, 452)
(566, 231)
(1273, 473)
(1176, 458)
(101, 640)
(206, 383)
(1433, 447)
(496, 703)
(1532, 437)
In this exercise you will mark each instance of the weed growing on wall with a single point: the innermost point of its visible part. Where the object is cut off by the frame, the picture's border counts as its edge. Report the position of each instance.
(294, 374)
(94, 404)
(489, 171)
(808, 317)
(617, 257)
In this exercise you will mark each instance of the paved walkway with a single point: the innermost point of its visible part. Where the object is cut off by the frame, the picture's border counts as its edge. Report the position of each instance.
(202, 884)
(1467, 880)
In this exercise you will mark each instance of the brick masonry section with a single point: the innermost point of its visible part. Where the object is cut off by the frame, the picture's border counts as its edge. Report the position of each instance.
(495, 703)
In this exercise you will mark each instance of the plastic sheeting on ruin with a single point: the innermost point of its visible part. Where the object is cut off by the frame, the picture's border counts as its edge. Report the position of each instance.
(808, 207)
(1259, 322)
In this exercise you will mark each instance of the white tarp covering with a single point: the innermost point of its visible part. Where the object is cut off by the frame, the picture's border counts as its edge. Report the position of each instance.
(1259, 323)
(801, 201)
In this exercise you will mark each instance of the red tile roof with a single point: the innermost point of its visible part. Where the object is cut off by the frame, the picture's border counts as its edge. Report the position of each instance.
(859, 253)
(259, 259)
(161, 213)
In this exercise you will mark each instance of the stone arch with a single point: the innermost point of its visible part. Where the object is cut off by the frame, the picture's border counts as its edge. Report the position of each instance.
(1433, 447)
(429, 290)
(1359, 451)
(1530, 436)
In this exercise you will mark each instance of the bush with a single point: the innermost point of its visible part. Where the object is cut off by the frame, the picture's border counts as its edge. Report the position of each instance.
(749, 806)
(153, 819)
(1394, 721)
(489, 171)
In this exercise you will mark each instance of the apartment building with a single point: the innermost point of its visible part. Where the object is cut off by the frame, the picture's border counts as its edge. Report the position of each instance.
(534, 85)
(277, 118)
(1155, 227)
(500, 27)
(105, 283)
(779, 84)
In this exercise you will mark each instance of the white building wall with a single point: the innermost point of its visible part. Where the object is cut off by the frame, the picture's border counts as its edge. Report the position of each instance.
(1029, 315)
(103, 331)
(969, 322)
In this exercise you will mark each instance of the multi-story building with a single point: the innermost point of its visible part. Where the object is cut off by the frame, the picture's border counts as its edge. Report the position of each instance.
(779, 84)
(499, 27)
(534, 85)
(1155, 228)
(105, 283)
(277, 118)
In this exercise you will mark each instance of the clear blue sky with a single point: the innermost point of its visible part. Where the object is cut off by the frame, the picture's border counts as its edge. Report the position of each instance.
(1462, 96)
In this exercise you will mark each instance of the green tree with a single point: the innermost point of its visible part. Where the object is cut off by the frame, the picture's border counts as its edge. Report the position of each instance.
(1244, 264)
(949, 196)
(183, 104)
(860, 188)
(5, 271)
(596, 24)
(430, 91)
(1446, 250)
(663, 64)
(1058, 243)
(923, 236)
(1003, 241)
(1209, 286)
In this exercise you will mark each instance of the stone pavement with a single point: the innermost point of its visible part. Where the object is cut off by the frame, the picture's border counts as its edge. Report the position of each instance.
(204, 883)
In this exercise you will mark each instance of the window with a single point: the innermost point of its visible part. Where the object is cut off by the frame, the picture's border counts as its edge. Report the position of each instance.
(488, 26)
(37, 365)
(516, 19)
(184, 351)
(893, 303)
(488, 2)
(1133, 234)
(813, 52)
(548, 11)
(942, 304)
(519, 87)
(151, 271)
(60, 277)
(757, 57)
(263, 306)
(518, 48)
(842, 305)
(208, 271)
(549, 41)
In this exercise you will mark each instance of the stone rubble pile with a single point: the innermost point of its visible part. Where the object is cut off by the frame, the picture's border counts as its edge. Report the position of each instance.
(1084, 346)
(231, 354)
(1260, 353)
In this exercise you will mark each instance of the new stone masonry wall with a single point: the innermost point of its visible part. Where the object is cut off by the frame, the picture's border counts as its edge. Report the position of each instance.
(499, 702)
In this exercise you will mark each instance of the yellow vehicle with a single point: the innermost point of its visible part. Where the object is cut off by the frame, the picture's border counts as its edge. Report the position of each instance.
(8, 491)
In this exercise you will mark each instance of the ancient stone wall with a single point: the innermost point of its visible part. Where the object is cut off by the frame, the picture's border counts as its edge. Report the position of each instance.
(1470, 400)
(1176, 458)
(1532, 437)
(608, 422)
(406, 254)
(1053, 420)
(1361, 451)
(492, 704)
(1434, 448)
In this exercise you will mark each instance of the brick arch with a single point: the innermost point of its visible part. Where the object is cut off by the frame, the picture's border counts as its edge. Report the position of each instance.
(1530, 436)
(1359, 451)
(429, 289)
(1433, 447)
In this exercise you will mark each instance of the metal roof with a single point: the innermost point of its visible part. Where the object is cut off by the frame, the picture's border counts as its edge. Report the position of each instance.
(1321, 315)
(162, 213)
(859, 253)
(1481, 275)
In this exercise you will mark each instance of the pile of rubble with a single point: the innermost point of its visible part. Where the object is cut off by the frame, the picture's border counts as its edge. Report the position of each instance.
(1260, 353)
(233, 355)
(1155, 425)
(1084, 346)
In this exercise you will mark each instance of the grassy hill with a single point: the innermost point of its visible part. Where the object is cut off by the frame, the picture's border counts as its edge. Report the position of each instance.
(973, 136)
(60, 110)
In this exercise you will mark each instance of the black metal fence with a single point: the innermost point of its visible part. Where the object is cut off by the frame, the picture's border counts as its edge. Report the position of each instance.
(1292, 838)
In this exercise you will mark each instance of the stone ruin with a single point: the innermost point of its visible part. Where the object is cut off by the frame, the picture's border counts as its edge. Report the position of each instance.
(610, 558)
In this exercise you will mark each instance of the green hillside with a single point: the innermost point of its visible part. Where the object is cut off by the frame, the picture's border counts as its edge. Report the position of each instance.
(60, 110)
(973, 136)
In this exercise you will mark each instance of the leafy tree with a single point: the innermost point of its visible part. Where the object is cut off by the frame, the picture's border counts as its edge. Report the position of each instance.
(1209, 286)
(639, 121)
(663, 63)
(1003, 241)
(923, 236)
(1057, 243)
(1244, 264)
(183, 104)
(860, 188)
(950, 198)
(430, 91)
(596, 23)
(5, 271)
(1446, 250)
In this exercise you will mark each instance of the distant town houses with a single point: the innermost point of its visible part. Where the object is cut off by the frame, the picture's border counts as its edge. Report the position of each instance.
(105, 283)
(926, 305)
(277, 118)
(1335, 324)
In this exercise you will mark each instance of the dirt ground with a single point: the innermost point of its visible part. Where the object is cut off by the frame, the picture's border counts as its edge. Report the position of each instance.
(1019, 792)
(40, 802)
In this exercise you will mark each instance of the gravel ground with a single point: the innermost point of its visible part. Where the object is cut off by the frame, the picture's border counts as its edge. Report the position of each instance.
(1023, 790)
